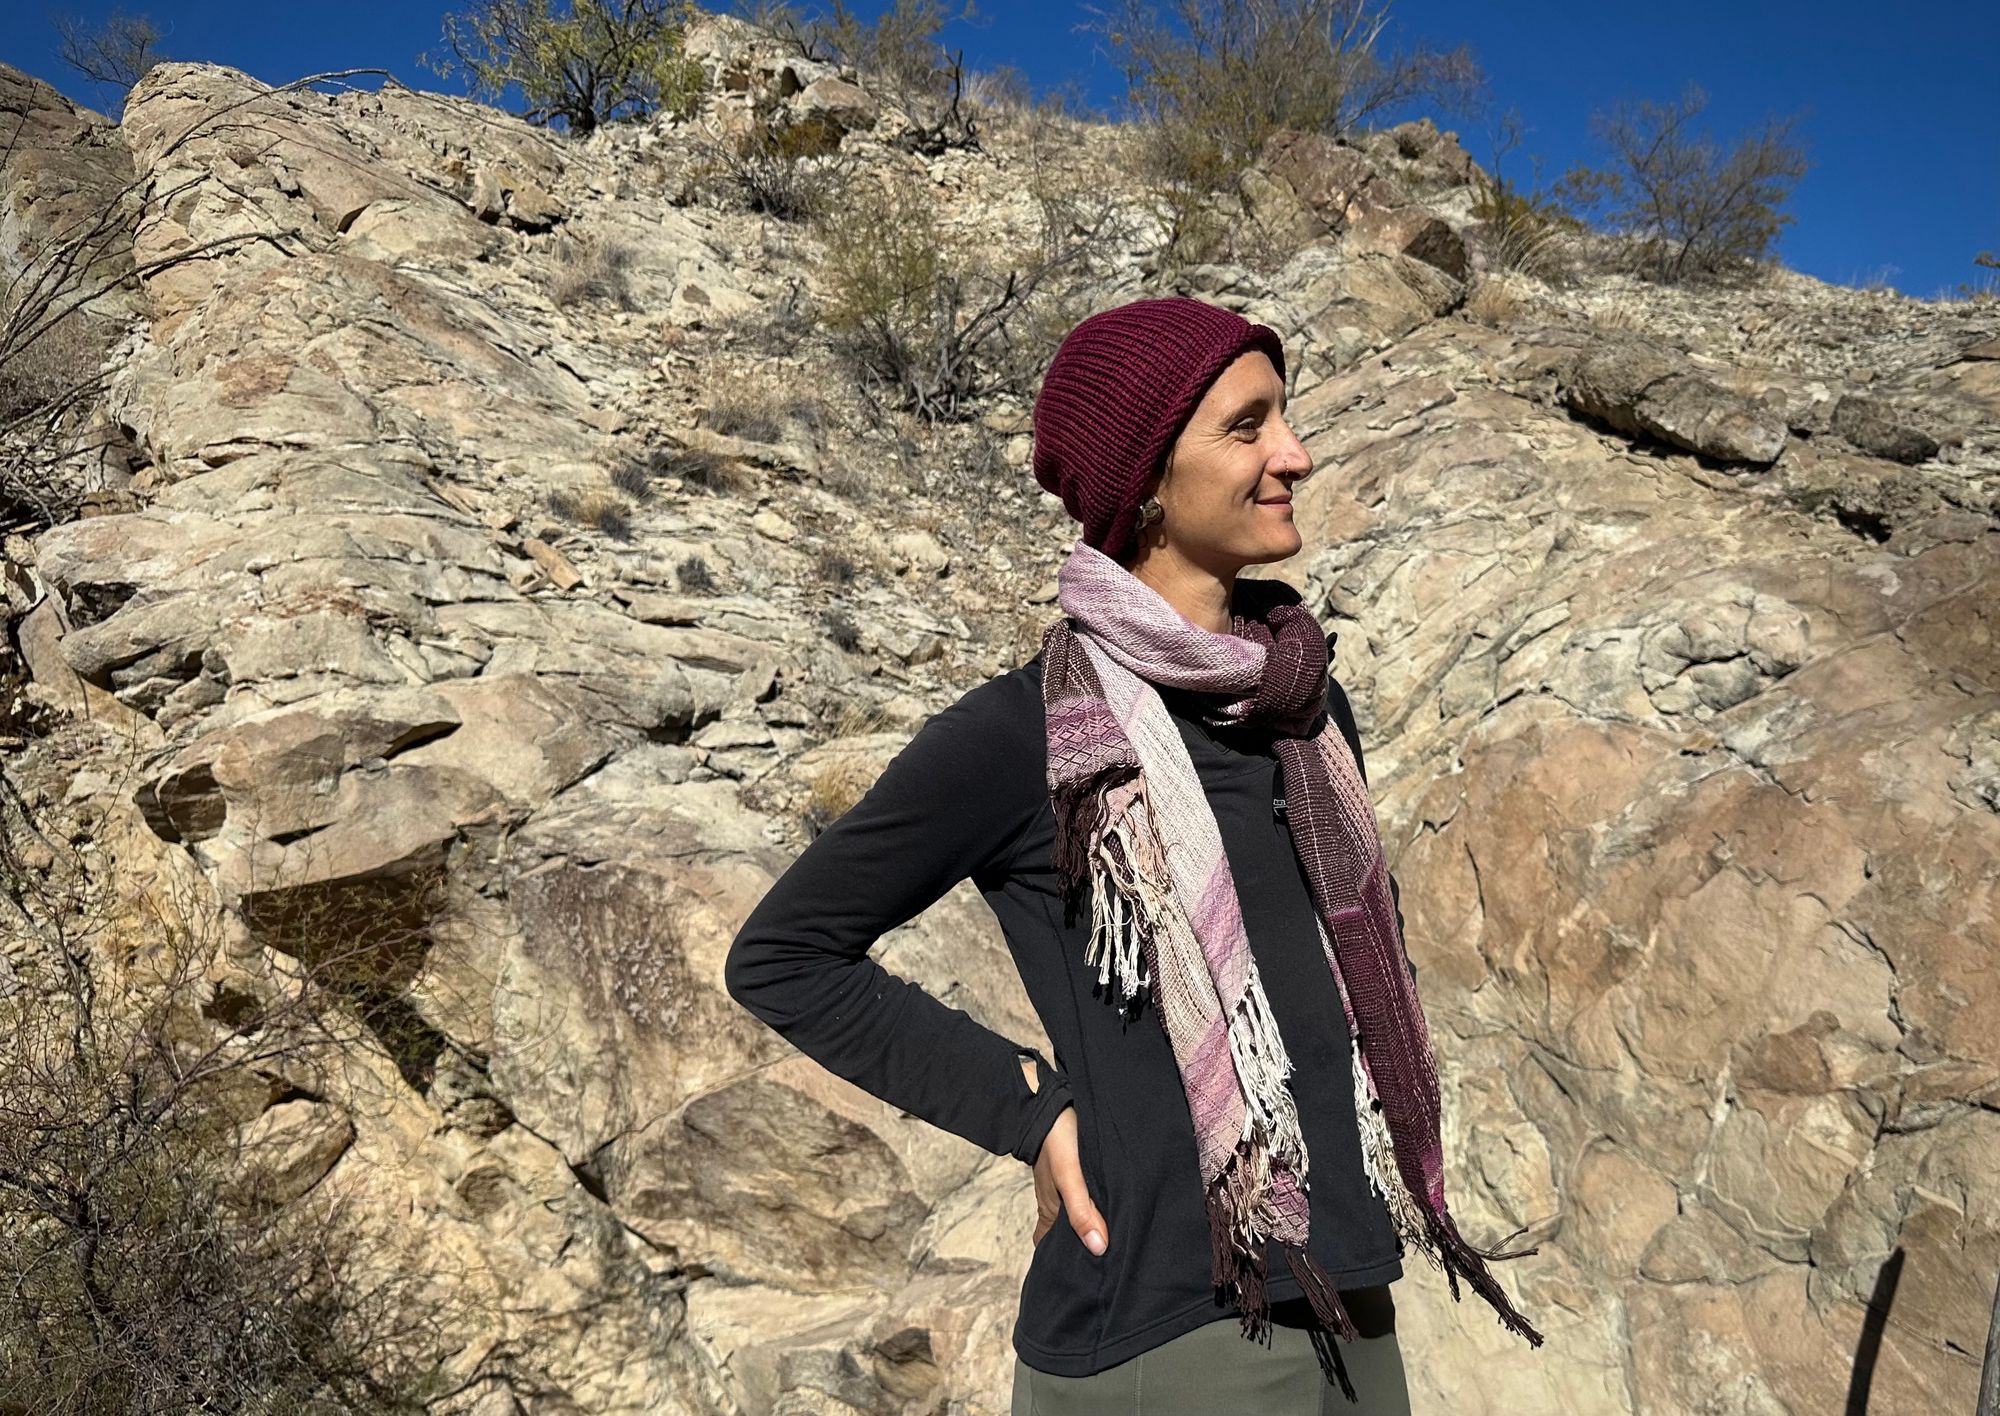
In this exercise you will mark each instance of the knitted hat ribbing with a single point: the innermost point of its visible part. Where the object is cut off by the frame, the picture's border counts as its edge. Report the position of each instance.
(1118, 392)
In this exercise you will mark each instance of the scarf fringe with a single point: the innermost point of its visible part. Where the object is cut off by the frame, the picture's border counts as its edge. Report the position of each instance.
(1129, 891)
(1237, 1265)
(1080, 811)
(1330, 1364)
(1465, 1260)
(1436, 1236)
(1263, 1066)
(1332, 1314)
(1122, 902)
(1236, 1250)
(1321, 1293)
(1378, 1161)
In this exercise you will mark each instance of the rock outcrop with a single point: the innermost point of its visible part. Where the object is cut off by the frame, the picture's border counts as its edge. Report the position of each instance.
(1673, 636)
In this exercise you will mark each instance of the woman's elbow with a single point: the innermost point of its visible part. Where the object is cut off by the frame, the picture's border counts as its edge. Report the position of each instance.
(775, 981)
(745, 973)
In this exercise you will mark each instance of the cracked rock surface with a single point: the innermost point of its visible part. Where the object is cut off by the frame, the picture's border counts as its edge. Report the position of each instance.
(1673, 637)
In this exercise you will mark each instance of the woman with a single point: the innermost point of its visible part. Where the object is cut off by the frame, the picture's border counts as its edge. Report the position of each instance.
(1167, 810)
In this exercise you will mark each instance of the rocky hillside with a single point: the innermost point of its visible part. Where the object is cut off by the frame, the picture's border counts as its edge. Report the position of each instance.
(418, 542)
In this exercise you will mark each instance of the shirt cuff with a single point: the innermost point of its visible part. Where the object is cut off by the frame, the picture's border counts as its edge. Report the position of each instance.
(1051, 1095)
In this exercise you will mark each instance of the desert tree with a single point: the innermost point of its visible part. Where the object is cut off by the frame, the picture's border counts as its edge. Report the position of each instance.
(599, 62)
(113, 54)
(1519, 227)
(946, 324)
(1244, 68)
(1210, 81)
(1687, 206)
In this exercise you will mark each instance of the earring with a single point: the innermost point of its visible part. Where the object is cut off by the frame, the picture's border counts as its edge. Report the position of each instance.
(1148, 512)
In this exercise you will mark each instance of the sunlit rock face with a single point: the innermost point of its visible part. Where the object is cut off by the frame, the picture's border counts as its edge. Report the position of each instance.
(1670, 619)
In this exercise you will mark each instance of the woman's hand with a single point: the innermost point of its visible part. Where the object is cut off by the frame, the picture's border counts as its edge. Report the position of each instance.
(1059, 1187)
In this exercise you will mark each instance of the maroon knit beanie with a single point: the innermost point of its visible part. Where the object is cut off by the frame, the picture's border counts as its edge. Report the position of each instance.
(1118, 392)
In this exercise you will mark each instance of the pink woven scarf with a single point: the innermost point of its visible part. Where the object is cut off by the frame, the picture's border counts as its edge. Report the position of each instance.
(1134, 823)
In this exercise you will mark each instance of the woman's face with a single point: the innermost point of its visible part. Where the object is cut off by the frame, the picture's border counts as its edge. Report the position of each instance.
(1227, 485)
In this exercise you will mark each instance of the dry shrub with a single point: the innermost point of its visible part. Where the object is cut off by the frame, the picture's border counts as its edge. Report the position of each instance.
(590, 268)
(772, 328)
(1494, 302)
(65, 356)
(842, 630)
(695, 468)
(695, 576)
(1517, 229)
(943, 325)
(633, 477)
(897, 57)
(792, 169)
(52, 352)
(857, 717)
(845, 478)
(1685, 209)
(155, 1259)
(1002, 93)
(1211, 81)
(832, 790)
(753, 405)
(1984, 290)
(1616, 312)
(835, 567)
(601, 510)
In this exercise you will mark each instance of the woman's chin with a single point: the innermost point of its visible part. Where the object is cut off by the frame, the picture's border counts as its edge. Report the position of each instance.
(1284, 541)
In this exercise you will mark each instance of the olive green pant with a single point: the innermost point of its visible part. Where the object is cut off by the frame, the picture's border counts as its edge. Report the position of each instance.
(1216, 1371)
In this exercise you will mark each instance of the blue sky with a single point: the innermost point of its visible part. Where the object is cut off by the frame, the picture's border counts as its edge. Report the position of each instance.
(1894, 107)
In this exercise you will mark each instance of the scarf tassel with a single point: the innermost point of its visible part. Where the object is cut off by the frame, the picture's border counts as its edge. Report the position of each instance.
(1236, 1254)
(1332, 1314)
(1080, 811)
(1435, 1234)
(1128, 870)
(1378, 1161)
(1466, 1260)
(1262, 1067)
(1237, 1265)
(1124, 906)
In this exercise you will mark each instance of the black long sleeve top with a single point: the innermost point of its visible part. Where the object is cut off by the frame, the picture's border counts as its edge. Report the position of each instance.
(968, 797)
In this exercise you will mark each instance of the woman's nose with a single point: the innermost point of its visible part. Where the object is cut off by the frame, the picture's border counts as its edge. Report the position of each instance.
(1295, 459)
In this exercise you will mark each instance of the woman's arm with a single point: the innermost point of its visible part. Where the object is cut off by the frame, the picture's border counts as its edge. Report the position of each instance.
(945, 808)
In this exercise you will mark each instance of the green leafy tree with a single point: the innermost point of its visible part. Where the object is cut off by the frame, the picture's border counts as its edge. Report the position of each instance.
(602, 61)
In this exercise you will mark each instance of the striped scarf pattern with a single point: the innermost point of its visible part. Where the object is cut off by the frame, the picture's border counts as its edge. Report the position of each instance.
(1134, 824)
